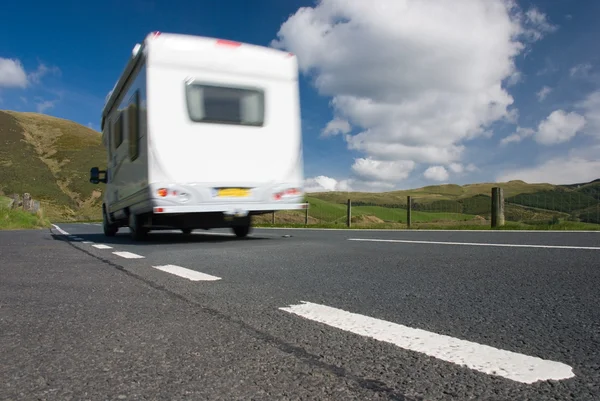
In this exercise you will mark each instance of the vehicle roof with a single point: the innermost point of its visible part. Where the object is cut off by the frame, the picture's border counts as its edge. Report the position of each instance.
(176, 49)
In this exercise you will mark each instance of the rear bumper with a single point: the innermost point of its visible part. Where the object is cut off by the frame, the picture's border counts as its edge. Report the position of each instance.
(229, 208)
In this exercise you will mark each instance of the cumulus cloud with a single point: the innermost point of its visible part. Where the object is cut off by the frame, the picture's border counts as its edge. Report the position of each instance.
(558, 127)
(12, 73)
(436, 173)
(417, 78)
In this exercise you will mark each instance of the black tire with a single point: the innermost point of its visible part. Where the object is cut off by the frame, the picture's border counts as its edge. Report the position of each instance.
(138, 232)
(110, 230)
(241, 231)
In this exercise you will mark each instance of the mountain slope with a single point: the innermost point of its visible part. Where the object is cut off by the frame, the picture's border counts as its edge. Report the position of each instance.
(50, 158)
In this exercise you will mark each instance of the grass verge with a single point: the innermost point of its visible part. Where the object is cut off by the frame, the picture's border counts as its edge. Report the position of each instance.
(14, 219)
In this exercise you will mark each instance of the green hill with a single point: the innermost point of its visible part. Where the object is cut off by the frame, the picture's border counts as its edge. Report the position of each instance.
(50, 158)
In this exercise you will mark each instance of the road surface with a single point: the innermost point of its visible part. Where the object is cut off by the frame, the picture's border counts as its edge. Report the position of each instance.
(299, 314)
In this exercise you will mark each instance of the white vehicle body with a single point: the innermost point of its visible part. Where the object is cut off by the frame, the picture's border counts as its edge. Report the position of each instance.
(198, 129)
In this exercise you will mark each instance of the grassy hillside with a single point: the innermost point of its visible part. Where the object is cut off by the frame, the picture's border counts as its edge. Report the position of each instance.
(50, 158)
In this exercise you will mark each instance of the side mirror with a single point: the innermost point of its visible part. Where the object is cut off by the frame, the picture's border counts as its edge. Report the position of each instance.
(95, 175)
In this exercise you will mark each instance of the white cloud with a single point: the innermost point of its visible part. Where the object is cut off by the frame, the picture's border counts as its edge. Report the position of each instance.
(543, 93)
(561, 170)
(436, 173)
(12, 73)
(324, 184)
(387, 171)
(559, 127)
(416, 77)
(336, 126)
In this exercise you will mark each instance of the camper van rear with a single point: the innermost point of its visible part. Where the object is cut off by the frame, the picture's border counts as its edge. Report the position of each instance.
(201, 133)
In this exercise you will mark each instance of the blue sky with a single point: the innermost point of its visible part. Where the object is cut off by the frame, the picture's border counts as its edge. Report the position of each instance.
(72, 52)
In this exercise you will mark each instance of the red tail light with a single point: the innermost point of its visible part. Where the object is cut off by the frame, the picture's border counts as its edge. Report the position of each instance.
(287, 192)
(230, 43)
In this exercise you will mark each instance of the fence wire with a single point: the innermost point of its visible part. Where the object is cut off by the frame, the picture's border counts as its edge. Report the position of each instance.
(577, 207)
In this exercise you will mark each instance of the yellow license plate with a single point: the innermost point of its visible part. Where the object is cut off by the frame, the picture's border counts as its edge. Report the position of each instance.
(233, 192)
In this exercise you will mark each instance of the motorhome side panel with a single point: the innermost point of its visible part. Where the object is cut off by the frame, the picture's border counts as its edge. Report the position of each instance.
(128, 151)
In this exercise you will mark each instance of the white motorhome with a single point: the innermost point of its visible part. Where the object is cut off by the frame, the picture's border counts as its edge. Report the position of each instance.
(201, 133)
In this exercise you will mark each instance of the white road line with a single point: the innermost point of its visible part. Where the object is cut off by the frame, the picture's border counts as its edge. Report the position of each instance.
(102, 246)
(128, 255)
(87, 242)
(408, 230)
(187, 273)
(60, 230)
(594, 248)
(483, 358)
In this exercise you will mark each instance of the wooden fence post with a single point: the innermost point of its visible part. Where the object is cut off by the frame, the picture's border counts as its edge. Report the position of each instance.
(349, 213)
(497, 207)
(273, 218)
(408, 210)
(306, 216)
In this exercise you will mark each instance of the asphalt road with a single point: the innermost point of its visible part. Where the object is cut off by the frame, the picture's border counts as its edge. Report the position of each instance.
(299, 314)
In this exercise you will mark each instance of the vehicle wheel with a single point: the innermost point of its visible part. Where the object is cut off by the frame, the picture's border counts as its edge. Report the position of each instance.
(186, 231)
(241, 231)
(110, 230)
(138, 232)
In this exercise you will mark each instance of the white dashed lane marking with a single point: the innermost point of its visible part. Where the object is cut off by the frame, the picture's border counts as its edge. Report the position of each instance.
(128, 255)
(192, 275)
(483, 358)
(102, 246)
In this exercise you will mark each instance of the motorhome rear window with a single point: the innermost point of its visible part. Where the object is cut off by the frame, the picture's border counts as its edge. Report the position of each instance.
(225, 105)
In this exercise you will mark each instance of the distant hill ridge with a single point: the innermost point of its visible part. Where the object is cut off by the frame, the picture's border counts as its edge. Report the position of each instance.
(51, 157)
